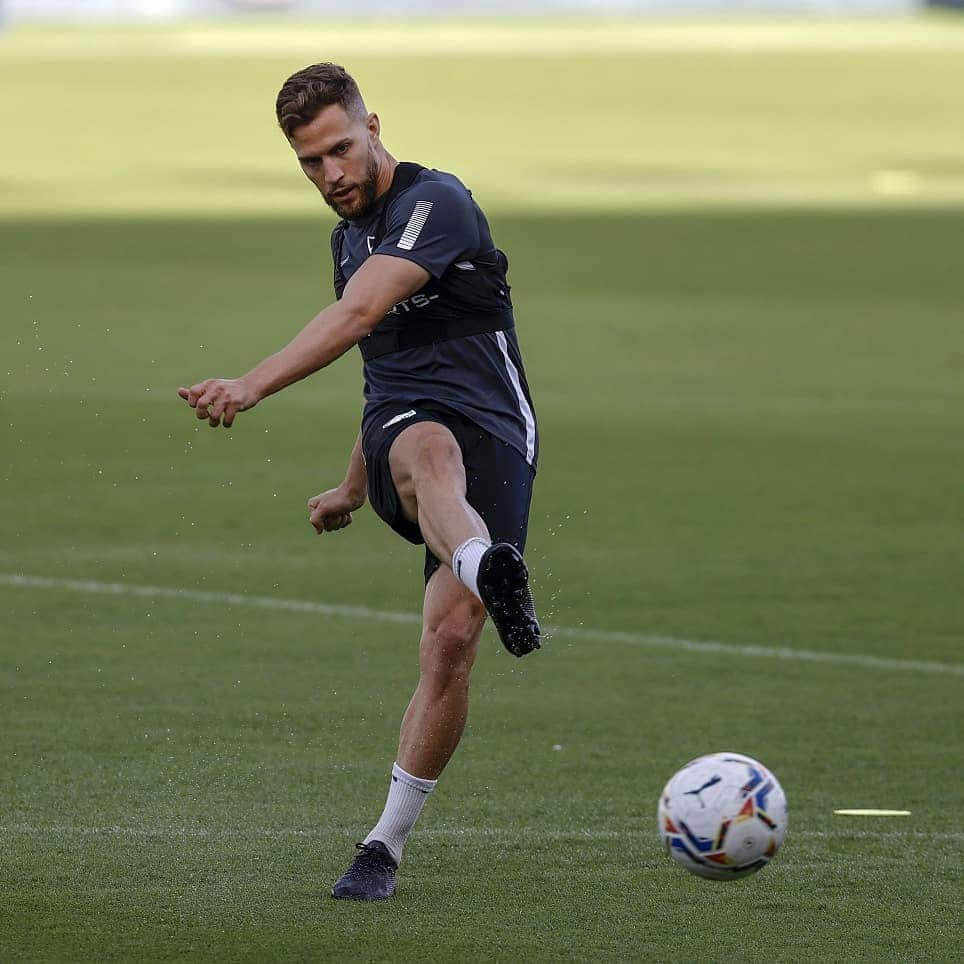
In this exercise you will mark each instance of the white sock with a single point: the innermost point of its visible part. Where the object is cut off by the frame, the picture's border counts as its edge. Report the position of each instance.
(465, 562)
(406, 797)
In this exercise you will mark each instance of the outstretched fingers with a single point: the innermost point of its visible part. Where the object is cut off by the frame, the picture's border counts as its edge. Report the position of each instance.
(192, 394)
(216, 410)
(213, 401)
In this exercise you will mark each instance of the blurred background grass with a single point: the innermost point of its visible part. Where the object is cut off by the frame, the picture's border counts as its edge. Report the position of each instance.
(555, 116)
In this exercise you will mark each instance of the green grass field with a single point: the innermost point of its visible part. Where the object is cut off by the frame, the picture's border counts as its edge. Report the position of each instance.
(738, 281)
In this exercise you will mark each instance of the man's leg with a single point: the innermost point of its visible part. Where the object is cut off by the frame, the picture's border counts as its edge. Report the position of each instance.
(452, 620)
(429, 477)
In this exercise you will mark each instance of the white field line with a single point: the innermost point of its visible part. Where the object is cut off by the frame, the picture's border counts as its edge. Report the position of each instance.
(557, 632)
(490, 833)
(207, 596)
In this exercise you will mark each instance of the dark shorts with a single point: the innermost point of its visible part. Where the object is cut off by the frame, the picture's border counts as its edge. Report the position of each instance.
(498, 479)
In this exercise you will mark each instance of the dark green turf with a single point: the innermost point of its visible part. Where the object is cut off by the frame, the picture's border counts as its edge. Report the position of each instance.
(752, 433)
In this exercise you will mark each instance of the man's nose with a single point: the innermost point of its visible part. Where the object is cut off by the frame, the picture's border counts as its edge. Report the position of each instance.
(333, 172)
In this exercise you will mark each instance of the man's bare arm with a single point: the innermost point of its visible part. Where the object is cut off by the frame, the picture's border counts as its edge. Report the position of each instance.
(332, 510)
(356, 478)
(379, 283)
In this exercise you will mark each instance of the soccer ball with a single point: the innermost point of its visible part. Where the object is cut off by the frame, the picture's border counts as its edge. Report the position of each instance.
(723, 816)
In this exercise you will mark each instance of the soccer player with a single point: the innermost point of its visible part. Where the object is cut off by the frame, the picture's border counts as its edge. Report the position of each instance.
(448, 443)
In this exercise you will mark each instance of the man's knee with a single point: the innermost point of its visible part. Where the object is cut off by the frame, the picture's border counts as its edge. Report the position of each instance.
(449, 644)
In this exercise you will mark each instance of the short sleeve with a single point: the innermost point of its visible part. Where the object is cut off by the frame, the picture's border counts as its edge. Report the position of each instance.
(433, 224)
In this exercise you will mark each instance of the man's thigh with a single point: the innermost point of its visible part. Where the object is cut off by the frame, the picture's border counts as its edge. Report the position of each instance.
(426, 447)
(496, 479)
(383, 495)
(498, 485)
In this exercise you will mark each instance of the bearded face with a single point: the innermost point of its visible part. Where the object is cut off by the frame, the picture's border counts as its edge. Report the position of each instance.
(338, 154)
(355, 202)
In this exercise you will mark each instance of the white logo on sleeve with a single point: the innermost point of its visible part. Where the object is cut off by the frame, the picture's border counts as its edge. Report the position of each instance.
(415, 224)
(399, 418)
(345, 260)
(370, 238)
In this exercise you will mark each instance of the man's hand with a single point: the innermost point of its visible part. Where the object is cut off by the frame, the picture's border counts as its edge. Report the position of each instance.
(220, 399)
(332, 510)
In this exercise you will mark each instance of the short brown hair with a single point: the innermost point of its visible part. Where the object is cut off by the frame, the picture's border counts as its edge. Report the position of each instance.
(305, 93)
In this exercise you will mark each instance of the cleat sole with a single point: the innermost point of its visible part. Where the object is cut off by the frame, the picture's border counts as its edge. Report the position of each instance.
(504, 586)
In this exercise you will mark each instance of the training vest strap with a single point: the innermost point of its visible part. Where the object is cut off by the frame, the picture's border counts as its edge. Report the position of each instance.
(417, 334)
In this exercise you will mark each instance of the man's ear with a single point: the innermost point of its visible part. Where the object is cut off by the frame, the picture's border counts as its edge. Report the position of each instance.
(374, 126)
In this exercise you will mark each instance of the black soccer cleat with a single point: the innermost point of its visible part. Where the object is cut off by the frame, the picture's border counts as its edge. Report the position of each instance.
(503, 583)
(371, 875)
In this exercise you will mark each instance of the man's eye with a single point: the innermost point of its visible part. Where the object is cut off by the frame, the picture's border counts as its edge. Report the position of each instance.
(341, 149)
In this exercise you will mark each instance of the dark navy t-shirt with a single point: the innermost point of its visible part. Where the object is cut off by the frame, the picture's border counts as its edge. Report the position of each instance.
(435, 223)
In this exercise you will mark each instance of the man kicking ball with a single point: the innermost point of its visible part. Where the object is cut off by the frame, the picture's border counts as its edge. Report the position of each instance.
(448, 443)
